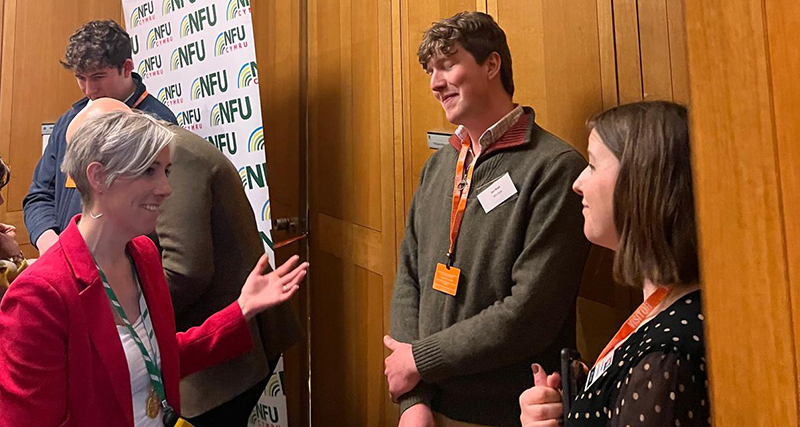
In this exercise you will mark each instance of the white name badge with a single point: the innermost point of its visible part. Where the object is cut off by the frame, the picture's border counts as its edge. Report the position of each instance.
(497, 192)
(599, 369)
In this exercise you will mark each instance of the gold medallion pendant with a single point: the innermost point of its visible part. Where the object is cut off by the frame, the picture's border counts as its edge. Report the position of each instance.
(151, 404)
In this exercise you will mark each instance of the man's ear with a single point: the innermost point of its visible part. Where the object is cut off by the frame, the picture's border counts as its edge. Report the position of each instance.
(493, 63)
(127, 68)
(96, 175)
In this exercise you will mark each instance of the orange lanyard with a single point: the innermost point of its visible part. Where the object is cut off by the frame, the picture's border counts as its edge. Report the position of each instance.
(461, 185)
(140, 100)
(636, 319)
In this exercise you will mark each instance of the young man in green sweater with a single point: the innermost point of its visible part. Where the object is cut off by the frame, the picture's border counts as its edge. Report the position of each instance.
(494, 249)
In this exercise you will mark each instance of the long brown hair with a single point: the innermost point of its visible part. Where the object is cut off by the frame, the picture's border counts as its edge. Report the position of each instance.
(653, 199)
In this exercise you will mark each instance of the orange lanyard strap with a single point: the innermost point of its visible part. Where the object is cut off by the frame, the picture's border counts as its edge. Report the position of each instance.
(461, 185)
(140, 100)
(636, 319)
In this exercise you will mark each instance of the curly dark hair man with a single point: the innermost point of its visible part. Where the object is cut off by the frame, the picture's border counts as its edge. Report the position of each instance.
(96, 45)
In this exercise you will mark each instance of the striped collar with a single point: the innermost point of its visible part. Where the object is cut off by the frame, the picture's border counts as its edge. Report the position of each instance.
(510, 131)
(495, 131)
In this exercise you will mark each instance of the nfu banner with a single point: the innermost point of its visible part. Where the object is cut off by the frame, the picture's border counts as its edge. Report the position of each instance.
(198, 58)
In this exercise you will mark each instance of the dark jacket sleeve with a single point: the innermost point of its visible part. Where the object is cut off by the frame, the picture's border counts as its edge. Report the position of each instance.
(404, 318)
(184, 231)
(546, 276)
(39, 205)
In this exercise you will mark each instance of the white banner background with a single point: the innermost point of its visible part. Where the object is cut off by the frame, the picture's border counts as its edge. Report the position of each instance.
(198, 58)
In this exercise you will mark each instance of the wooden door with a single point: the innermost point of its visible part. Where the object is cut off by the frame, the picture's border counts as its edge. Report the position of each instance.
(279, 28)
(352, 214)
(745, 120)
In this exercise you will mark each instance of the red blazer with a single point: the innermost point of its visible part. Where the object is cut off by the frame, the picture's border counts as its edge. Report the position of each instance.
(61, 359)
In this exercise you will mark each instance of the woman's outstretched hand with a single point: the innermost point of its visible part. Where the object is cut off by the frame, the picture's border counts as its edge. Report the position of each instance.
(262, 291)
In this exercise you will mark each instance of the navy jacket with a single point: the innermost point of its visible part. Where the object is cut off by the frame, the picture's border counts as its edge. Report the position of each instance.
(49, 204)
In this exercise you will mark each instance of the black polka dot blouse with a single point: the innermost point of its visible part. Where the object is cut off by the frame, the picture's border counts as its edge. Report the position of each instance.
(658, 377)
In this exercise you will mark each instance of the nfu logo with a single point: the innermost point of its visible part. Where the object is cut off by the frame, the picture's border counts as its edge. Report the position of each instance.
(142, 13)
(190, 119)
(135, 44)
(171, 95)
(210, 84)
(224, 142)
(150, 67)
(159, 35)
(266, 414)
(254, 176)
(256, 141)
(248, 74)
(188, 55)
(199, 20)
(230, 41)
(238, 8)
(169, 6)
(231, 111)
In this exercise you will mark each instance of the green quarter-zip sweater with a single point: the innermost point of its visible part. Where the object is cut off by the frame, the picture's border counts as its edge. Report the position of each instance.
(521, 265)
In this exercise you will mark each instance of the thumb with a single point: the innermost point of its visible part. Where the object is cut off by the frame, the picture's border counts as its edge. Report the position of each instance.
(539, 375)
(389, 342)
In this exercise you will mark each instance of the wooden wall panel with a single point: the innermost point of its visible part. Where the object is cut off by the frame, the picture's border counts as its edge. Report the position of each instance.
(744, 104)
(365, 130)
(782, 20)
(392, 176)
(629, 60)
(276, 25)
(643, 51)
(608, 52)
(2, 26)
(38, 75)
(556, 56)
(31, 72)
(654, 46)
(677, 50)
(352, 164)
(7, 26)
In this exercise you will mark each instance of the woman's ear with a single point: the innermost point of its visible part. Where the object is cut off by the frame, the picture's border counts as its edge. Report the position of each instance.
(96, 175)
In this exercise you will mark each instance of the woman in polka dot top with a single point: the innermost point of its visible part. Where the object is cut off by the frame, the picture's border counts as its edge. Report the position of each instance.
(637, 201)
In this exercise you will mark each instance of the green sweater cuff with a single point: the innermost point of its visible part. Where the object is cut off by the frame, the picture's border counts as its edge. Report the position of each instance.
(422, 394)
(429, 359)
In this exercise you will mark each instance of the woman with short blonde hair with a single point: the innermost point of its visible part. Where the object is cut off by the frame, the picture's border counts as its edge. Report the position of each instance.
(88, 332)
